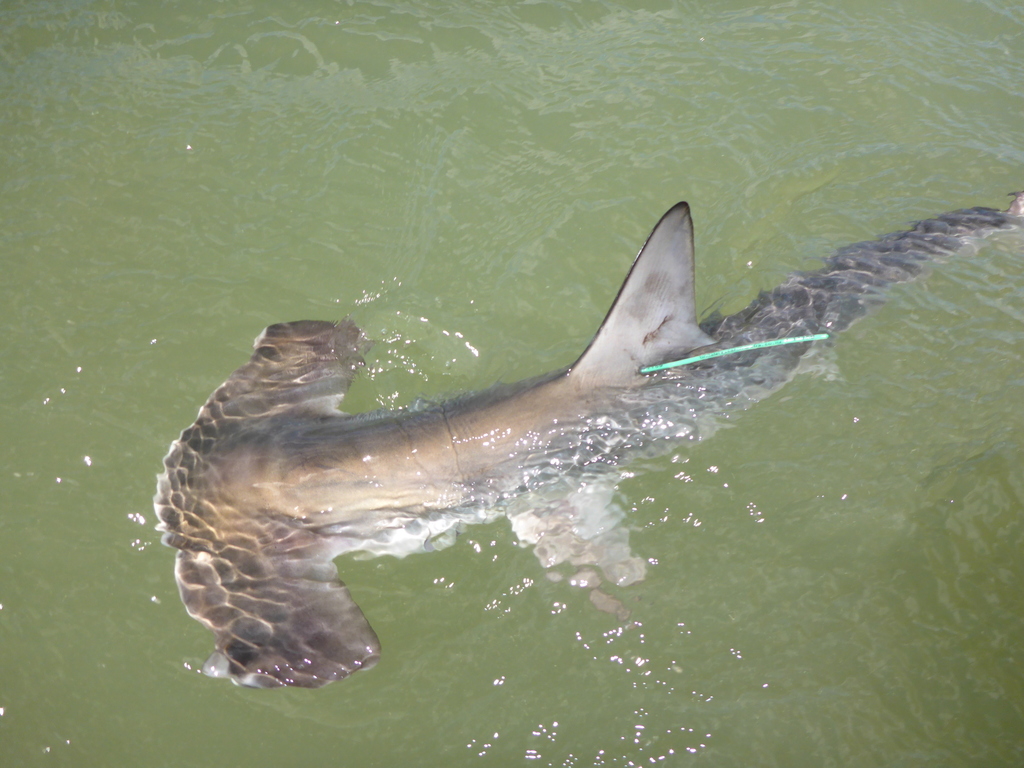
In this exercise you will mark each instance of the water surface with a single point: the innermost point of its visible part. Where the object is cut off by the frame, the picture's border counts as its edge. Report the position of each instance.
(834, 580)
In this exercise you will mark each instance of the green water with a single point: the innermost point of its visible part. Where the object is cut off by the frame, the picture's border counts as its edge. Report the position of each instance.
(835, 580)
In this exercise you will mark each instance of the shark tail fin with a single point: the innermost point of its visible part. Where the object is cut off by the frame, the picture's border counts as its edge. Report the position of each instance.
(654, 316)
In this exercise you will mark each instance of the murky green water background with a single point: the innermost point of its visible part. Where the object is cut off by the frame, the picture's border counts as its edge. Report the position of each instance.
(836, 579)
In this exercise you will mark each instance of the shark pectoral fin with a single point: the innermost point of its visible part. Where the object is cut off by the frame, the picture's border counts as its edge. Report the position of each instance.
(654, 315)
(305, 365)
(276, 621)
(581, 527)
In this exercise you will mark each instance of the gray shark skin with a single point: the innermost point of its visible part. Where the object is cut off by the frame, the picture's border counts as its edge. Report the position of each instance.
(272, 482)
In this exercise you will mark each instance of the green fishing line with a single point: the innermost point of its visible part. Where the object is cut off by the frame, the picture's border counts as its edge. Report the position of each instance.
(732, 350)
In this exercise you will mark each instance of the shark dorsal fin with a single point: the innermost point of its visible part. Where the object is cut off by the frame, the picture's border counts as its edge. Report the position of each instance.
(654, 316)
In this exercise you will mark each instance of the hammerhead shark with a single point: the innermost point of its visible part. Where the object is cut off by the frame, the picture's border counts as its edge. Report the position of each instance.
(272, 482)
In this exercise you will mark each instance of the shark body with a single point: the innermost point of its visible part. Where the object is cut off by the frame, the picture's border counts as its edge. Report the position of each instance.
(272, 482)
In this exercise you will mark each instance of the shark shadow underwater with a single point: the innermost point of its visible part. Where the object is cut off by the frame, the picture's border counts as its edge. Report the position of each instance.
(273, 482)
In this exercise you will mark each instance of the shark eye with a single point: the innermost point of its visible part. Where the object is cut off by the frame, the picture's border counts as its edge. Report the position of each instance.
(270, 353)
(241, 653)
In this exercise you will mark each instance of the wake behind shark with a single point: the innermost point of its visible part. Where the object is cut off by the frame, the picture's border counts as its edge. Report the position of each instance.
(272, 482)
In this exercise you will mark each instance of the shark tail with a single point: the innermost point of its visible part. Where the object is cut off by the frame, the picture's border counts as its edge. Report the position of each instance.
(854, 279)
